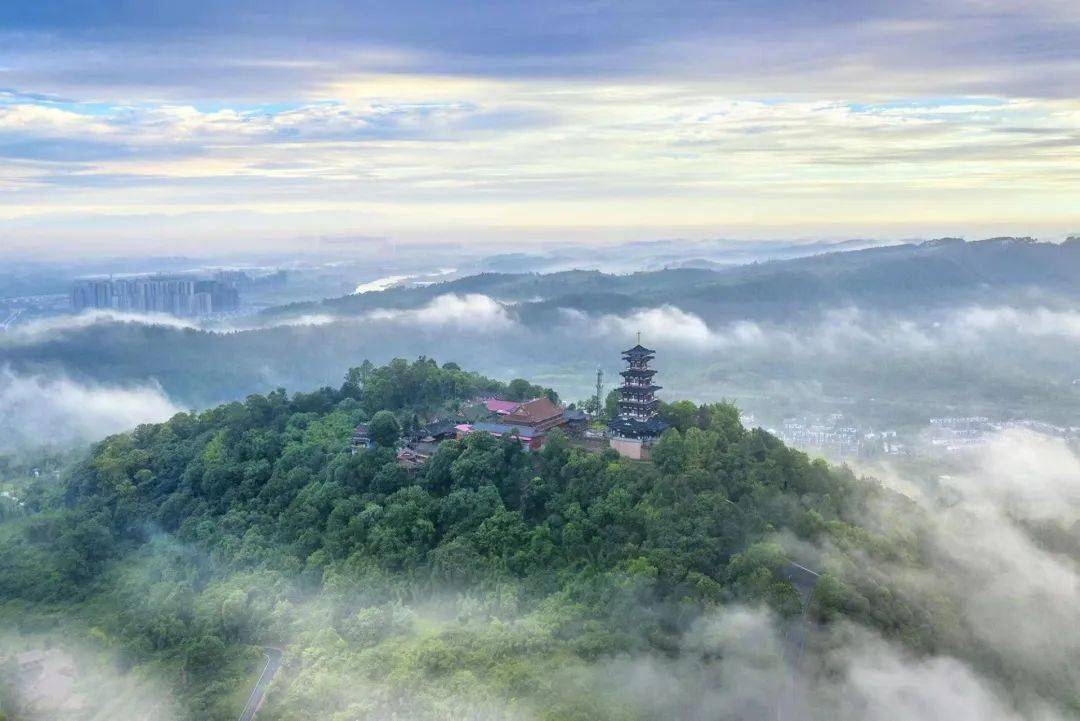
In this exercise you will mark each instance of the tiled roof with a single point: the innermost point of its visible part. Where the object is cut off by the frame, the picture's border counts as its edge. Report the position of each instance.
(497, 405)
(503, 429)
(534, 411)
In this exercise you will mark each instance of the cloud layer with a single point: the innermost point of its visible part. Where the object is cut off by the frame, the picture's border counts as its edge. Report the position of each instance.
(989, 560)
(41, 329)
(838, 332)
(472, 312)
(523, 121)
(40, 412)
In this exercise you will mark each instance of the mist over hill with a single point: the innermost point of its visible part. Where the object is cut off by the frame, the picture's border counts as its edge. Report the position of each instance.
(169, 555)
(539, 360)
(546, 586)
(896, 334)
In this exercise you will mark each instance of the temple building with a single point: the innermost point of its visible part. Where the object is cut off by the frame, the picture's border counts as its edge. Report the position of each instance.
(636, 428)
(539, 414)
(530, 421)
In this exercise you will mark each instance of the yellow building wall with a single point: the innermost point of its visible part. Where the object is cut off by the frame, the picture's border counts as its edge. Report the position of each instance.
(631, 448)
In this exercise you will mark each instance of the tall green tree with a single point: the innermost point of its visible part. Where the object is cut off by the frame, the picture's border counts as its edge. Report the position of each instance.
(384, 429)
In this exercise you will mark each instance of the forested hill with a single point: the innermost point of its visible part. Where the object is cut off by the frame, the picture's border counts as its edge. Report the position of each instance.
(922, 275)
(471, 583)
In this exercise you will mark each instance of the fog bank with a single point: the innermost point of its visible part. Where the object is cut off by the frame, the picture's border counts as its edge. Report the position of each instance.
(38, 411)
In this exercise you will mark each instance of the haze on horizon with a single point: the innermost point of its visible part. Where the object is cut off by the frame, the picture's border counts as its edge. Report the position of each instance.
(240, 126)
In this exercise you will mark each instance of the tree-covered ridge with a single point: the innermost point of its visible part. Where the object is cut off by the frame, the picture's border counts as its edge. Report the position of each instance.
(920, 275)
(254, 523)
(271, 482)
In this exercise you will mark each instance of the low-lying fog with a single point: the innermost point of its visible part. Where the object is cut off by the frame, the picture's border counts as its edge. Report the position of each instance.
(1000, 545)
(103, 371)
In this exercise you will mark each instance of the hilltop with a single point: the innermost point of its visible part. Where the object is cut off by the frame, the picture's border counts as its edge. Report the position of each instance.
(253, 523)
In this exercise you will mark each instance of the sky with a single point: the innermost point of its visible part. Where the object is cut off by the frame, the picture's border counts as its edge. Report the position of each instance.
(208, 125)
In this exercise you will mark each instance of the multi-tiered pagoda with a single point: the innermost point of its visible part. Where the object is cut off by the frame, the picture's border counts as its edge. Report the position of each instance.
(637, 426)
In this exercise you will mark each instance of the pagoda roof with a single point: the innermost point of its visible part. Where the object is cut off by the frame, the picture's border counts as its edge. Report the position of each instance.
(639, 350)
(641, 389)
(630, 403)
(634, 428)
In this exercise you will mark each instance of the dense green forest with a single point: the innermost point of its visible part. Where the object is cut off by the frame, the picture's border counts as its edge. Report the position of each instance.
(491, 578)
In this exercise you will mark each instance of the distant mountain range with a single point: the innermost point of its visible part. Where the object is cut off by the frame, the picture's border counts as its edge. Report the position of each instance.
(907, 276)
(938, 324)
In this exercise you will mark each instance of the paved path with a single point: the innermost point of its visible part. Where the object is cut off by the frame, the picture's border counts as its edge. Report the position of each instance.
(273, 663)
(789, 703)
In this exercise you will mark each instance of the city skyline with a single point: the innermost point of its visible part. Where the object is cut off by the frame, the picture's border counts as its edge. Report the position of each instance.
(243, 126)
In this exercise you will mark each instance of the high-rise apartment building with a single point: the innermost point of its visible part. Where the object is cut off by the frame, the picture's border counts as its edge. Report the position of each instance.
(186, 297)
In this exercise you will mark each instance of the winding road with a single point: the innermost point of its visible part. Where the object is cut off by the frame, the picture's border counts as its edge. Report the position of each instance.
(789, 703)
(273, 663)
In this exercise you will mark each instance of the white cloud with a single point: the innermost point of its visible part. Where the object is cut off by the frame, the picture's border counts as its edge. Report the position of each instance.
(86, 679)
(380, 284)
(37, 329)
(881, 682)
(837, 333)
(255, 322)
(1031, 322)
(672, 326)
(470, 312)
(1027, 597)
(38, 411)
(1024, 473)
(855, 675)
(310, 319)
(664, 325)
(1013, 596)
(50, 122)
(548, 156)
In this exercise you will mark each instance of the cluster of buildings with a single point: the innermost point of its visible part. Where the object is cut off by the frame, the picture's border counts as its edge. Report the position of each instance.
(636, 428)
(957, 434)
(184, 297)
(240, 279)
(838, 437)
(833, 435)
(888, 443)
(528, 421)
(632, 433)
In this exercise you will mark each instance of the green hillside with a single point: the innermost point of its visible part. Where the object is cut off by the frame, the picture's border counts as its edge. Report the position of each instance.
(490, 578)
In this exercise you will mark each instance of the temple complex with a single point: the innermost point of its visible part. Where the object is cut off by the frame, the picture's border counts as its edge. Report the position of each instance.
(636, 428)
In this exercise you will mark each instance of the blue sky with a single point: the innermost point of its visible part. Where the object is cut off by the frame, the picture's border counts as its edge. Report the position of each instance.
(209, 125)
